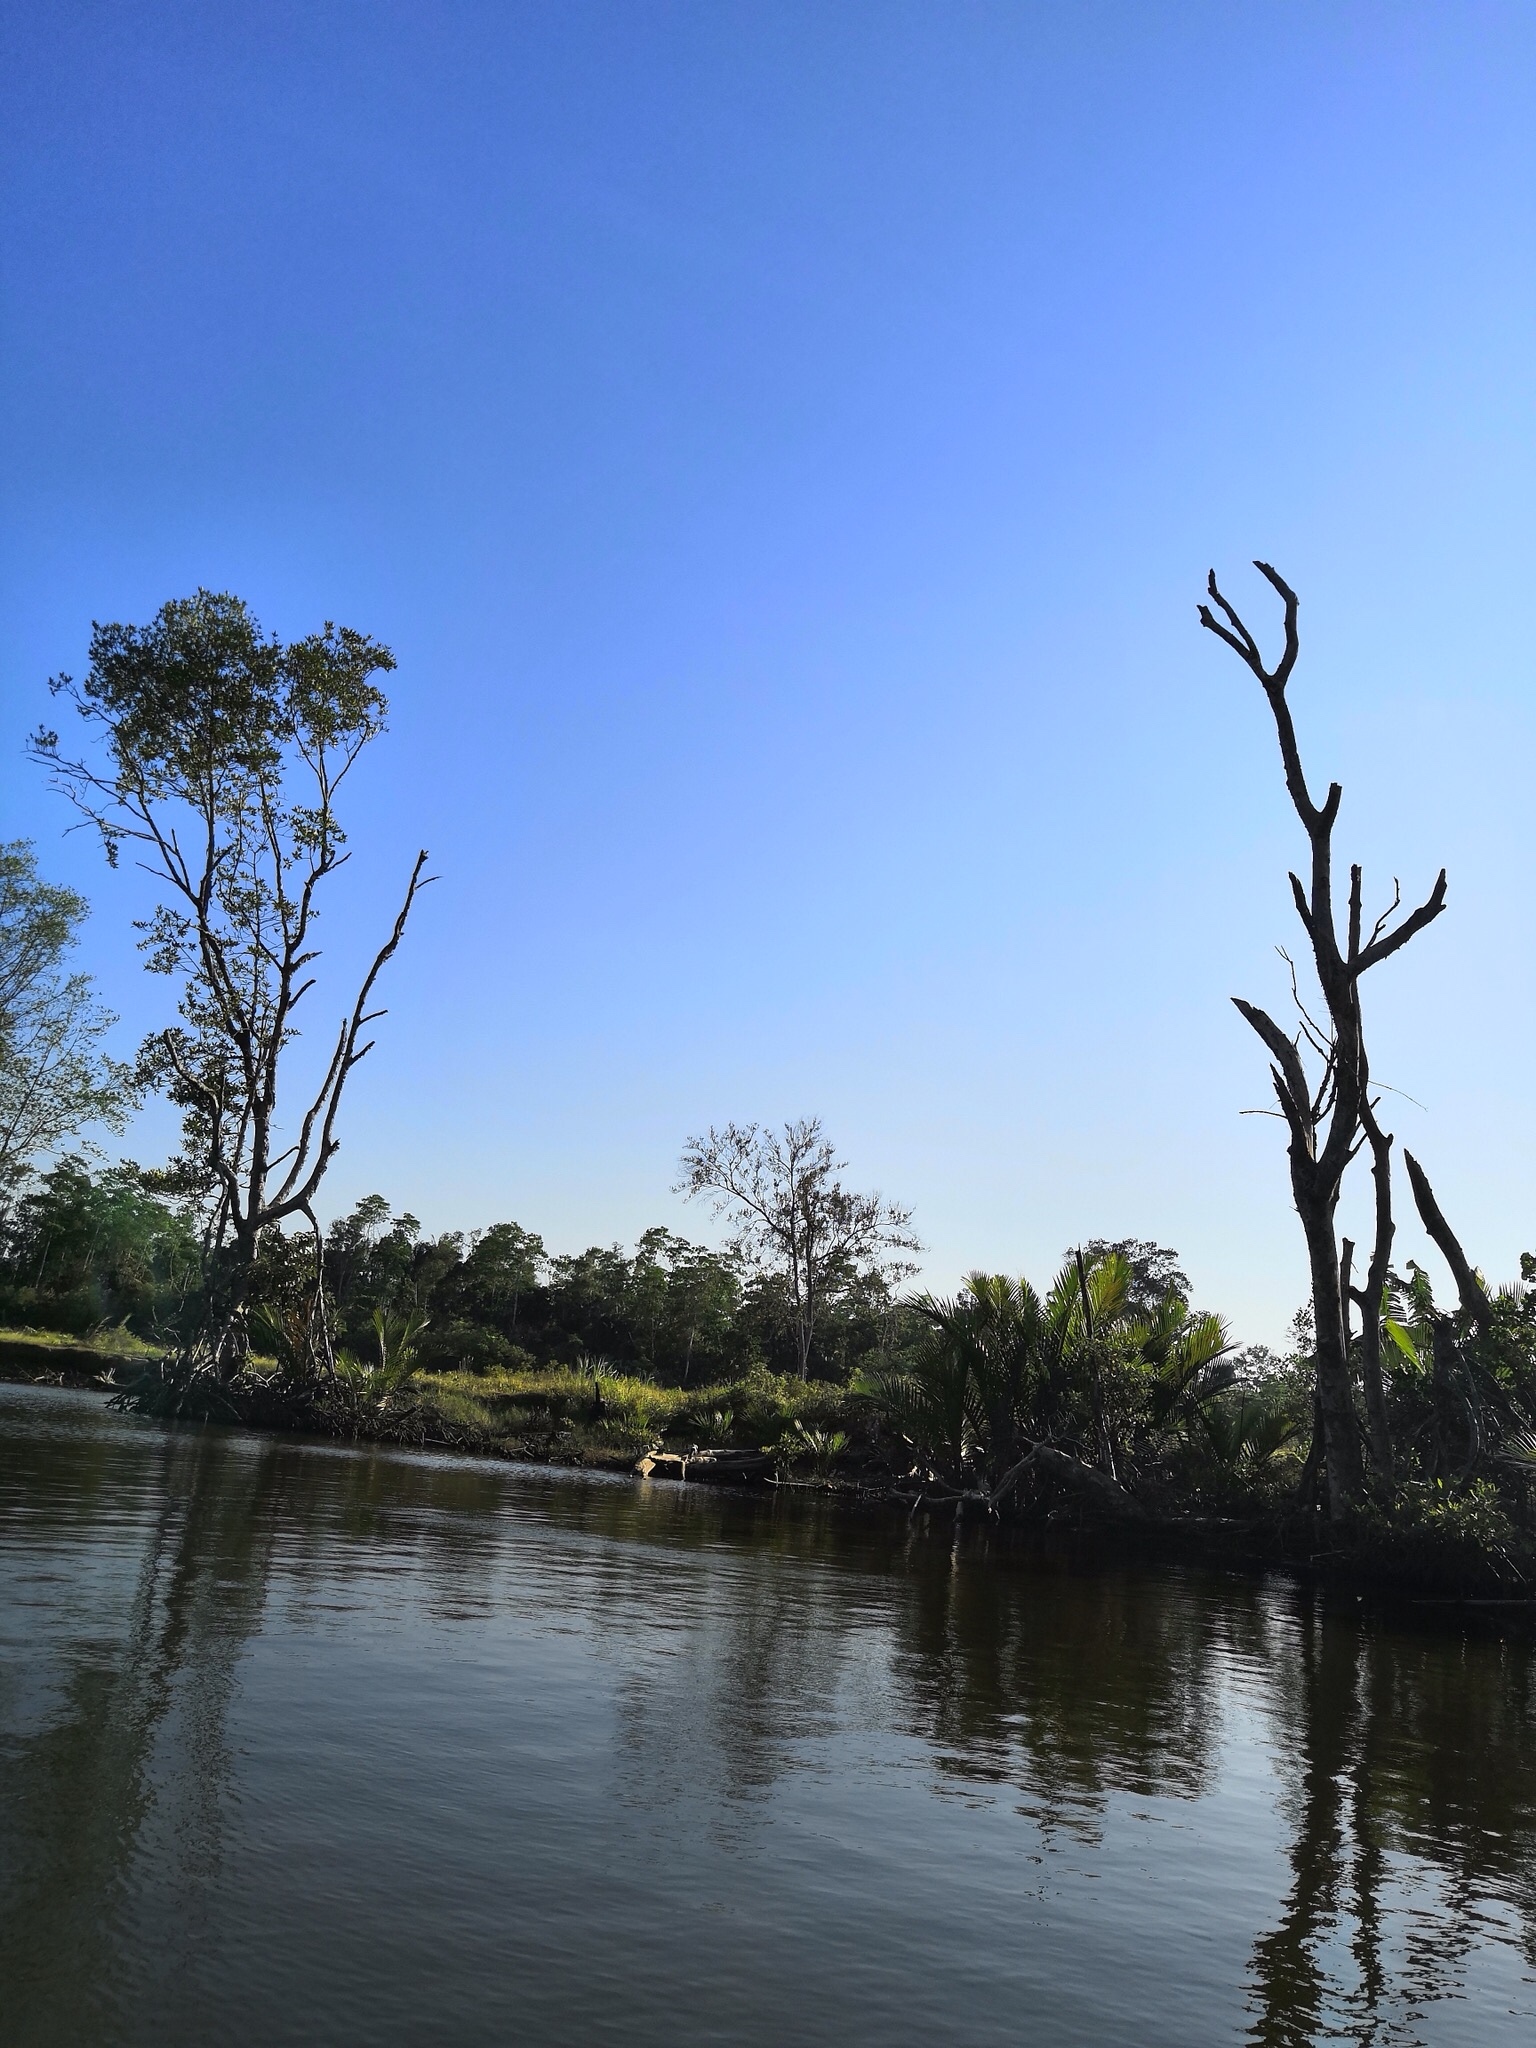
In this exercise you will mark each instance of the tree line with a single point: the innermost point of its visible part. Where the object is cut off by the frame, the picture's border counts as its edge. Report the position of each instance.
(87, 1247)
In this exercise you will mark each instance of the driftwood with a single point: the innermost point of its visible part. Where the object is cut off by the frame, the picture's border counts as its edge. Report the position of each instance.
(1096, 1489)
(1093, 1488)
(717, 1468)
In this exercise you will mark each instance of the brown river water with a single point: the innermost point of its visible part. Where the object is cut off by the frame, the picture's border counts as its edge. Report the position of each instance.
(303, 1744)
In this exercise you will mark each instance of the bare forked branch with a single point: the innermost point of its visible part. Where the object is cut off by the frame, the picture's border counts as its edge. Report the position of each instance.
(1274, 681)
(1474, 1297)
(1383, 947)
(1290, 1075)
(346, 1056)
(1239, 637)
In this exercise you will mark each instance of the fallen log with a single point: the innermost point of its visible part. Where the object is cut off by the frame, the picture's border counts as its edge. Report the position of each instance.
(1092, 1487)
(718, 1468)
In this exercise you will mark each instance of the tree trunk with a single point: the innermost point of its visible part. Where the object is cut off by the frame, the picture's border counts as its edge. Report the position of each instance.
(1335, 1390)
(1368, 1299)
(232, 1280)
(1094, 1488)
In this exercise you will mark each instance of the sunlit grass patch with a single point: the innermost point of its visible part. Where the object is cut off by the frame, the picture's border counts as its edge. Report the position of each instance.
(603, 1416)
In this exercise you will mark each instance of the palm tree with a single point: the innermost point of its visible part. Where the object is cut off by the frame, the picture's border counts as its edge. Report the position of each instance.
(999, 1371)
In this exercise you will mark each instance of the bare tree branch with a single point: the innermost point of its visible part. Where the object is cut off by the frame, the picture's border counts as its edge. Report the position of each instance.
(1474, 1297)
(1383, 948)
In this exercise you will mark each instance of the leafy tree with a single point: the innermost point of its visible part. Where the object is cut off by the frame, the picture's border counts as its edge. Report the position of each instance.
(376, 1262)
(501, 1269)
(794, 1218)
(54, 1077)
(38, 925)
(679, 1305)
(588, 1303)
(83, 1250)
(669, 1312)
(349, 1252)
(703, 1294)
(223, 753)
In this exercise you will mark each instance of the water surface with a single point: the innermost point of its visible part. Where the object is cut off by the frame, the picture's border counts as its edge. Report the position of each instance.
(301, 1744)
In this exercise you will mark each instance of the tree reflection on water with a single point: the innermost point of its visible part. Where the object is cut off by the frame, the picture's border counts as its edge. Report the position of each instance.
(1411, 1793)
(127, 1740)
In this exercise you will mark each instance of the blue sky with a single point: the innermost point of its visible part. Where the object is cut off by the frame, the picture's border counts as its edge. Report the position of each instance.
(784, 445)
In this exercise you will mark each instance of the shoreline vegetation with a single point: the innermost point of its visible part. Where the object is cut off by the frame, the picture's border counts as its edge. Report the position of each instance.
(773, 1433)
(1395, 1438)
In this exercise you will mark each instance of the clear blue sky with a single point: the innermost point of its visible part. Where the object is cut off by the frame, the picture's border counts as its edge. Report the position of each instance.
(784, 445)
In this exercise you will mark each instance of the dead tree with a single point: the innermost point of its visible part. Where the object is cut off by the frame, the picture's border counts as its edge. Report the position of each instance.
(1472, 1362)
(1328, 1121)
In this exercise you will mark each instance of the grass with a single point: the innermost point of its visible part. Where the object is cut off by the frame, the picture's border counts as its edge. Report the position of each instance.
(108, 1341)
(607, 1418)
(567, 1414)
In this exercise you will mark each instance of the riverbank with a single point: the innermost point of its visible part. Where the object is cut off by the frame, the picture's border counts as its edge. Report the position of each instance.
(766, 1431)
(760, 1425)
(55, 1358)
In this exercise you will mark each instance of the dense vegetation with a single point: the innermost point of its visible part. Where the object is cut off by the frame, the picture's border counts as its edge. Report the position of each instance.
(82, 1252)
(1101, 1396)
(678, 1339)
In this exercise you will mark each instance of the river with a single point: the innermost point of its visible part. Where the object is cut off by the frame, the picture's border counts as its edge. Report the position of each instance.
(304, 1744)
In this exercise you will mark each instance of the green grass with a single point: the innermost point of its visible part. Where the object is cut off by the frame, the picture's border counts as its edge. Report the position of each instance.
(558, 1412)
(108, 1342)
(613, 1418)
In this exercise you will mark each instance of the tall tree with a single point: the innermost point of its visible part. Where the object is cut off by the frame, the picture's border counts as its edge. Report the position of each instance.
(224, 755)
(502, 1266)
(1329, 1118)
(794, 1216)
(39, 922)
(54, 1077)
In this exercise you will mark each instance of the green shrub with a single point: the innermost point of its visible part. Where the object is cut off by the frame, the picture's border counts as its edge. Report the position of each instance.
(805, 1446)
(1456, 1536)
